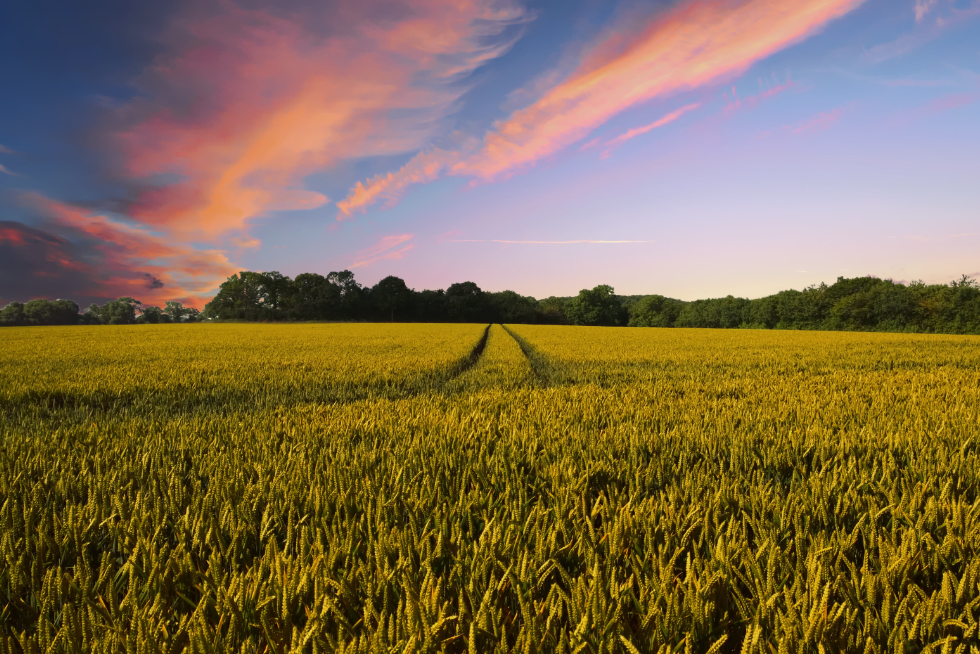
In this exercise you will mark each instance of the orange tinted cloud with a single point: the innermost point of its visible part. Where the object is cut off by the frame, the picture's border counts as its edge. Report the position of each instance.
(736, 103)
(383, 249)
(121, 260)
(245, 104)
(819, 122)
(638, 131)
(427, 166)
(13, 236)
(923, 7)
(695, 43)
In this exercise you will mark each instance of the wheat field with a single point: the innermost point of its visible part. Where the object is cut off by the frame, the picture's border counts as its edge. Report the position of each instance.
(465, 488)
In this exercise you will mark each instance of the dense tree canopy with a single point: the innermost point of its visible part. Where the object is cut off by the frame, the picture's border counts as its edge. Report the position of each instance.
(598, 306)
(860, 303)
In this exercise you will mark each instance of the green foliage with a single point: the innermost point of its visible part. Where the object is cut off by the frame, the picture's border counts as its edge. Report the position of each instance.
(598, 306)
(40, 312)
(390, 295)
(858, 304)
(175, 311)
(655, 311)
(466, 302)
(12, 315)
(120, 312)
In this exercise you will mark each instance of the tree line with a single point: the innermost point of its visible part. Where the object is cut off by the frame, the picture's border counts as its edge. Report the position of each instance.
(124, 311)
(853, 304)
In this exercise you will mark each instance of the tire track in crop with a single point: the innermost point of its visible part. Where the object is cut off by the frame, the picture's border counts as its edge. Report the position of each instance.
(472, 358)
(542, 368)
(84, 408)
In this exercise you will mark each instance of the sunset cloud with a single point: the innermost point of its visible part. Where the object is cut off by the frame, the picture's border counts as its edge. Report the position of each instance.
(427, 166)
(765, 92)
(818, 123)
(244, 103)
(5, 171)
(101, 257)
(638, 131)
(383, 249)
(693, 44)
(493, 240)
(923, 7)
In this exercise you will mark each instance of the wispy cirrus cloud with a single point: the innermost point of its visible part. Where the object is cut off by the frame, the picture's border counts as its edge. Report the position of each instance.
(922, 8)
(242, 103)
(245, 103)
(384, 249)
(947, 14)
(935, 106)
(765, 92)
(582, 242)
(818, 123)
(612, 144)
(950, 102)
(693, 44)
(3, 169)
(427, 166)
(95, 256)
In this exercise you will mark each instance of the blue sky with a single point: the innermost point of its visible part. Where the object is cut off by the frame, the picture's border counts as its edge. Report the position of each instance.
(692, 149)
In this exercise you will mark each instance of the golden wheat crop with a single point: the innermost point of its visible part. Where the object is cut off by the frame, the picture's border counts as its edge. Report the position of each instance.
(561, 490)
(159, 368)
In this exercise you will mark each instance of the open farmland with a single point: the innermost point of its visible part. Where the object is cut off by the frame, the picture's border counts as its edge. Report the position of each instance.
(453, 488)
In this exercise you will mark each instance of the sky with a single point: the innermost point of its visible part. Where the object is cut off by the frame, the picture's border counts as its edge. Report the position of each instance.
(691, 148)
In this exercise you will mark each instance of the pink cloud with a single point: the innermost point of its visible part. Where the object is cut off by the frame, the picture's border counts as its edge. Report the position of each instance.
(694, 43)
(923, 7)
(933, 107)
(638, 131)
(819, 122)
(246, 242)
(244, 104)
(493, 240)
(427, 166)
(925, 31)
(383, 249)
(951, 102)
(6, 171)
(126, 260)
(765, 93)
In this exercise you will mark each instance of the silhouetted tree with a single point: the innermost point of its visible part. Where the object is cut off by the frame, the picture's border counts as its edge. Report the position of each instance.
(860, 303)
(12, 315)
(655, 311)
(351, 293)
(551, 311)
(120, 312)
(597, 306)
(389, 295)
(430, 306)
(175, 310)
(151, 315)
(467, 303)
(315, 298)
(509, 307)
